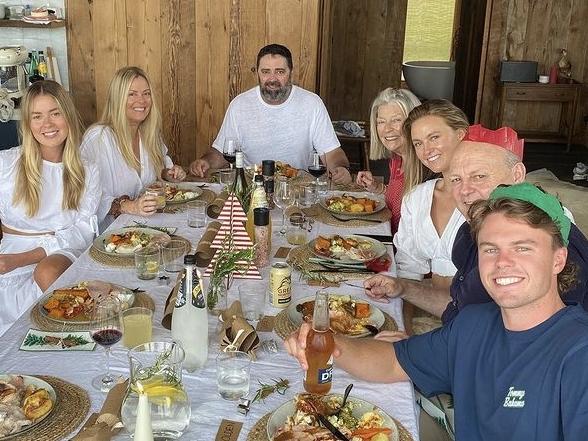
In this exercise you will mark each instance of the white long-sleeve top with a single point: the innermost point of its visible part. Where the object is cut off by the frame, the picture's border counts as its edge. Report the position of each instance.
(73, 229)
(419, 249)
(99, 146)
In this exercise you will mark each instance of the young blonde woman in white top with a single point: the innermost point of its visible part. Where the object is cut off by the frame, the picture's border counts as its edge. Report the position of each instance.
(128, 148)
(48, 200)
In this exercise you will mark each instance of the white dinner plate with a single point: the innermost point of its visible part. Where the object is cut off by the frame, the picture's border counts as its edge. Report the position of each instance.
(279, 416)
(39, 384)
(376, 317)
(184, 186)
(125, 295)
(377, 247)
(99, 242)
(380, 203)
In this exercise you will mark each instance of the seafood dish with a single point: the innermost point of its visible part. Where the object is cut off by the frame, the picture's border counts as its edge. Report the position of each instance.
(347, 315)
(348, 204)
(284, 169)
(76, 303)
(357, 419)
(125, 241)
(348, 248)
(175, 194)
(23, 401)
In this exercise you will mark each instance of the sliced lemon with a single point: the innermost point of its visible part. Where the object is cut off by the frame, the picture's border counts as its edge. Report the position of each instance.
(152, 266)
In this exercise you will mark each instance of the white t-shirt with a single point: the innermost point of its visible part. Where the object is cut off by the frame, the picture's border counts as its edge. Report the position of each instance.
(286, 132)
(419, 249)
(100, 147)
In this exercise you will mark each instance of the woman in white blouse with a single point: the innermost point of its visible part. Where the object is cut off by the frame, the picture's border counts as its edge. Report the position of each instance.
(48, 200)
(128, 148)
(429, 218)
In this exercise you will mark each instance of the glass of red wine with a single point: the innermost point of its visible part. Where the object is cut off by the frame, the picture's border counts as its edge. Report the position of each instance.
(230, 146)
(315, 167)
(106, 330)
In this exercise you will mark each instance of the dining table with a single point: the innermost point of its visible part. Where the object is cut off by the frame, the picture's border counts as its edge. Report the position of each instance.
(208, 409)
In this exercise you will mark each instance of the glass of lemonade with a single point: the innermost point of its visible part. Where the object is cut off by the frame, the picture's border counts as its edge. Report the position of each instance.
(157, 190)
(232, 374)
(137, 323)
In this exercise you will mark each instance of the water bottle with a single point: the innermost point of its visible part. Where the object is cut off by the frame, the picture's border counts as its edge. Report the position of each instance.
(190, 318)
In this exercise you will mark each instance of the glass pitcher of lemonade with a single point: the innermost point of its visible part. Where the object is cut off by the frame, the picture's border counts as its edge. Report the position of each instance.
(157, 368)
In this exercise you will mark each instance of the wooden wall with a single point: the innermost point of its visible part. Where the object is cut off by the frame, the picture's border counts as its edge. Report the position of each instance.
(364, 47)
(536, 30)
(199, 55)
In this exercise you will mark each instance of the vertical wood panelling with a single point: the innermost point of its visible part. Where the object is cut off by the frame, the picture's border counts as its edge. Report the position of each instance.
(81, 58)
(536, 30)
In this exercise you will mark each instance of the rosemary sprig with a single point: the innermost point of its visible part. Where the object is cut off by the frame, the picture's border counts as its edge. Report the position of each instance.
(280, 386)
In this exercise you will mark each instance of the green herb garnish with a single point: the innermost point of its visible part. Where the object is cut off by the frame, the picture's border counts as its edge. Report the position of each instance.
(280, 386)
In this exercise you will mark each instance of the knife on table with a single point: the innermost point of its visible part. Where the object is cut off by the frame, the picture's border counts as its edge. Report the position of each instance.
(325, 422)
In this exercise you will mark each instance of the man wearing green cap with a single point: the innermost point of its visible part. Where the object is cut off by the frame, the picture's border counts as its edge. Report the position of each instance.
(517, 366)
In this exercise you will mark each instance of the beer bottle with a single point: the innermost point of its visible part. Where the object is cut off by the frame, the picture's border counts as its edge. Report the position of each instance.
(240, 187)
(319, 348)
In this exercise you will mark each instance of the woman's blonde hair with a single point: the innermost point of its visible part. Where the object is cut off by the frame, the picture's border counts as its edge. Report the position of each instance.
(27, 190)
(453, 116)
(405, 99)
(115, 117)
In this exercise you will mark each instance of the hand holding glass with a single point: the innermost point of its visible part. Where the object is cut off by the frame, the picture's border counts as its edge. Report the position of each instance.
(230, 146)
(107, 329)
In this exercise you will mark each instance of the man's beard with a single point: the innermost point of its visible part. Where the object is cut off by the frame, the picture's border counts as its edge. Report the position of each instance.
(278, 95)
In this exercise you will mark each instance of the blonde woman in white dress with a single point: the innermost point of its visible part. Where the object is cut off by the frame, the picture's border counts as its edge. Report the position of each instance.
(48, 200)
(128, 148)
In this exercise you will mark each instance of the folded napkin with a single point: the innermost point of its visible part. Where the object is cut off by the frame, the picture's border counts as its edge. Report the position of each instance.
(100, 426)
(237, 334)
(170, 303)
(215, 207)
(204, 253)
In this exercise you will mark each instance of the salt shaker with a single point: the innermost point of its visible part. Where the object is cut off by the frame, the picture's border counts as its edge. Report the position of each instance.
(263, 235)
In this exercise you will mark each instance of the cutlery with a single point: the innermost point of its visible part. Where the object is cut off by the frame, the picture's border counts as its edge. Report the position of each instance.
(371, 329)
(325, 422)
(346, 394)
(335, 261)
(344, 219)
(343, 270)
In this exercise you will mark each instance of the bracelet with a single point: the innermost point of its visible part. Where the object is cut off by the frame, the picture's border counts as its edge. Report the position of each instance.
(115, 207)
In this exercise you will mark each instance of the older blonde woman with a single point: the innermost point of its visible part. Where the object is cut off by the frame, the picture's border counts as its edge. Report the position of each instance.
(48, 200)
(128, 147)
(388, 113)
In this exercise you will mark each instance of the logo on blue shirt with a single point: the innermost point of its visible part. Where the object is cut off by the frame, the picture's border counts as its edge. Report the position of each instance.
(514, 398)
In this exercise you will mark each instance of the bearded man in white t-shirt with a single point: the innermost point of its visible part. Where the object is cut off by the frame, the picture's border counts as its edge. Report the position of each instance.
(277, 120)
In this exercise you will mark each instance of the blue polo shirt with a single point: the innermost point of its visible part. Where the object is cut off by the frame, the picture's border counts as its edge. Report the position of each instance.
(527, 385)
(466, 287)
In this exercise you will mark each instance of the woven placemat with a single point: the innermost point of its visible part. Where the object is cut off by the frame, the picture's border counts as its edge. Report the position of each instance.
(320, 214)
(284, 327)
(71, 409)
(298, 259)
(119, 261)
(259, 431)
(43, 323)
(206, 195)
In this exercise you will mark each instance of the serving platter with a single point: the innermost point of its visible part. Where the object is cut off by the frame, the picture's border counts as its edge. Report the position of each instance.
(103, 240)
(38, 384)
(183, 187)
(368, 249)
(280, 416)
(380, 203)
(96, 289)
(376, 317)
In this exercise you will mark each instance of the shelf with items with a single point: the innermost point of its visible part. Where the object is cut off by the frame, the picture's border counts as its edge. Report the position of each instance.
(24, 24)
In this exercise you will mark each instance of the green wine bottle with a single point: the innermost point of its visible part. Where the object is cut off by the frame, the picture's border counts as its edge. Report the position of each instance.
(240, 187)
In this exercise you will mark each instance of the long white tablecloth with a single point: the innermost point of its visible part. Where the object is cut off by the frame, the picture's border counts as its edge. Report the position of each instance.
(208, 408)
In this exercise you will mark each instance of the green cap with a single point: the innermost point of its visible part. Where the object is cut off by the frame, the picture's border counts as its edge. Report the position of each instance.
(544, 201)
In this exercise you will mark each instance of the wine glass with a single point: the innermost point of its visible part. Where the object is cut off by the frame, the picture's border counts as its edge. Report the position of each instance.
(107, 330)
(283, 196)
(315, 167)
(230, 146)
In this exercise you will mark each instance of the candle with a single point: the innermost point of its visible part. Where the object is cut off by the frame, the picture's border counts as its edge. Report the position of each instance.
(143, 429)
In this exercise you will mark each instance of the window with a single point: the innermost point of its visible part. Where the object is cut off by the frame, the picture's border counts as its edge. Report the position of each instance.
(429, 30)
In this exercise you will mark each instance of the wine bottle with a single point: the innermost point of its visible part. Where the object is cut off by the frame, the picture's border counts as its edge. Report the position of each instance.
(240, 187)
(190, 317)
(258, 200)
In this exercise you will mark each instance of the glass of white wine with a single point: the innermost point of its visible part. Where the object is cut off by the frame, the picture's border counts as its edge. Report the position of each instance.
(283, 198)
